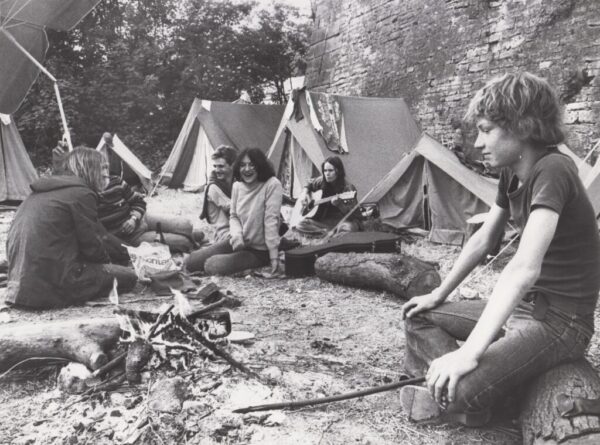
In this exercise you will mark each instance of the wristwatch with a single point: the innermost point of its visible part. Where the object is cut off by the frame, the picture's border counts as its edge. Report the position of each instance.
(135, 218)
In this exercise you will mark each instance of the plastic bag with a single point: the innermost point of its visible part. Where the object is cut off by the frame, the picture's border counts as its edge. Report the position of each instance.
(151, 258)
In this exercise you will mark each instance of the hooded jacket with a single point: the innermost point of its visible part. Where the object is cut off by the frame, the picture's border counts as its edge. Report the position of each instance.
(54, 237)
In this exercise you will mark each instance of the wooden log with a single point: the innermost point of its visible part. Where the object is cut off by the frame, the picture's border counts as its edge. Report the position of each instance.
(402, 275)
(541, 419)
(79, 340)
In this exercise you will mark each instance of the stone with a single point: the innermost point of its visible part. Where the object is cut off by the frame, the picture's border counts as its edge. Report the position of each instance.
(72, 378)
(168, 395)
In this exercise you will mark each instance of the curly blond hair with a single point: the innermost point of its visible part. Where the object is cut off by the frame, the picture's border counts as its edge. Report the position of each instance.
(523, 104)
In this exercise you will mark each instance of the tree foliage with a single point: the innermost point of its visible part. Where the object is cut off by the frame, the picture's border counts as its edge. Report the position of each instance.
(133, 67)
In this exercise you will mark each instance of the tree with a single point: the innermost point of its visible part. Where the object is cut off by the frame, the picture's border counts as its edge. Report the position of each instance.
(133, 67)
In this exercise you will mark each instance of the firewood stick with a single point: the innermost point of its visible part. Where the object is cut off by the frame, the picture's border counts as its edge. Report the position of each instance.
(322, 400)
(110, 365)
(211, 347)
(208, 308)
(158, 321)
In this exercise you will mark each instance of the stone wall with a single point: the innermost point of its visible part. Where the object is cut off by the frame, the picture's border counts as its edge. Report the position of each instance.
(436, 53)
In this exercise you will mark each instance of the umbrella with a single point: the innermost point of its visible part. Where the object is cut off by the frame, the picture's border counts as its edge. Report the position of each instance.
(23, 45)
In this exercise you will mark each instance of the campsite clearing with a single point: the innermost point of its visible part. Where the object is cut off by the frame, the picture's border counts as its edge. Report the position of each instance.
(312, 339)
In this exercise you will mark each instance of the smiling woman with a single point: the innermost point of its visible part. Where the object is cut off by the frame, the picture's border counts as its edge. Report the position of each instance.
(253, 223)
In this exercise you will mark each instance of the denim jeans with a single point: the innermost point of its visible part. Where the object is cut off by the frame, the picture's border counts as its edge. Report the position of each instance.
(220, 259)
(524, 349)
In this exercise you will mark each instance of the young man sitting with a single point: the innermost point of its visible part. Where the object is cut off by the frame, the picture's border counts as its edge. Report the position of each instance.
(217, 194)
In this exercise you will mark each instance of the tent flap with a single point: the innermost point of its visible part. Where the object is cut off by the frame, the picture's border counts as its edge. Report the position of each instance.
(16, 170)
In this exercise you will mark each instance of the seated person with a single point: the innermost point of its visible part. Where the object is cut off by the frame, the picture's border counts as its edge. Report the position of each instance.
(56, 249)
(541, 311)
(331, 182)
(253, 222)
(217, 194)
(122, 212)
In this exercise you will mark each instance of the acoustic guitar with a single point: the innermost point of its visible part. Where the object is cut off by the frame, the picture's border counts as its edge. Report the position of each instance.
(311, 208)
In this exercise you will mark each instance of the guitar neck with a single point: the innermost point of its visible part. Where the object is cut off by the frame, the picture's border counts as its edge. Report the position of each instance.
(324, 200)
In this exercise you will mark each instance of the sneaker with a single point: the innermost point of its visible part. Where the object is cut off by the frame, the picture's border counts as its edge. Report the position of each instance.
(418, 403)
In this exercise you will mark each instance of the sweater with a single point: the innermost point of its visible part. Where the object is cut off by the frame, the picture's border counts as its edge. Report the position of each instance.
(117, 203)
(254, 214)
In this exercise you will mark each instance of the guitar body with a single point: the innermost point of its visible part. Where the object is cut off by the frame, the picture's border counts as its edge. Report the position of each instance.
(310, 210)
(300, 212)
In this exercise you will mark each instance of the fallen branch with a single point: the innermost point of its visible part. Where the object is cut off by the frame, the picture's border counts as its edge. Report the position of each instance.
(110, 365)
(58, 359)
(323, 400)
(213, 348)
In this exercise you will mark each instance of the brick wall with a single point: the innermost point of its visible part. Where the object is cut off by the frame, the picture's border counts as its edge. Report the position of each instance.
(436, 53)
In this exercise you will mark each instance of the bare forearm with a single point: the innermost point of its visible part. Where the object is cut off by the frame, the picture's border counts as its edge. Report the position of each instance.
(514, 281)
(471, 255)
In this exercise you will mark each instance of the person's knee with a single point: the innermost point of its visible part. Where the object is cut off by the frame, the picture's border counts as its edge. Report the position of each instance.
(195, 261)
(414, 324)
(217, 265)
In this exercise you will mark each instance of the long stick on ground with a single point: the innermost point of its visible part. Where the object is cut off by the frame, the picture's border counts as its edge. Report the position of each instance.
(339, 397)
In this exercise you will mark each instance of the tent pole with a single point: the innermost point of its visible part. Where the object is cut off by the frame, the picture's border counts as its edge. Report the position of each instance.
(67, 135)
(63, 118)
(587, 156)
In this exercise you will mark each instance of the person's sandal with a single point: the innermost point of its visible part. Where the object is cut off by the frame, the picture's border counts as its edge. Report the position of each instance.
(418, 404)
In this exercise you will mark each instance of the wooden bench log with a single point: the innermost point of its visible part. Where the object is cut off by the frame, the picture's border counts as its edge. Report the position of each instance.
(402, 275)
(541, 420)
(80, 340)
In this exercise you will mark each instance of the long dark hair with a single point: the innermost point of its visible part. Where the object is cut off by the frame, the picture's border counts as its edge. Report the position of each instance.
(264, 169)
(340, 180)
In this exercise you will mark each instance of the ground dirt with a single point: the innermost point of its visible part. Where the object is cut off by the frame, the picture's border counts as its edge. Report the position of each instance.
(312, 339)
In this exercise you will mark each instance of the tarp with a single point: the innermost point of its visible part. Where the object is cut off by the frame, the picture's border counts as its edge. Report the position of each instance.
(210, 124)
(130, 163)
(24, 22)
(16, 170)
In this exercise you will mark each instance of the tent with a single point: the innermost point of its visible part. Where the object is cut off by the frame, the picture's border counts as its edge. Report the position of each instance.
(431, 188)
(16, 169)
(128, 165)
(210, 124)
(414, 180)
(371, 135)
(592, 184)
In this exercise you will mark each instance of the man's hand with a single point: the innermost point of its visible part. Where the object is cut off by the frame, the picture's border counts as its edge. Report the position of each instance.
(421, 303)
(237, 243)
(445, 372)
(129, 226)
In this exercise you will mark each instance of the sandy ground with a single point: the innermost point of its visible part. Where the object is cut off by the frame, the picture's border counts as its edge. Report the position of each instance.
(312, 338)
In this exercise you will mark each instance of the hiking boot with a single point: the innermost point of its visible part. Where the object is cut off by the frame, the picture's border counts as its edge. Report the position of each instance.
(418, 404)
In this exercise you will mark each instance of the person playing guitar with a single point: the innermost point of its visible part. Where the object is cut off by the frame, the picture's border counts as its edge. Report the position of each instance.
(337, 197)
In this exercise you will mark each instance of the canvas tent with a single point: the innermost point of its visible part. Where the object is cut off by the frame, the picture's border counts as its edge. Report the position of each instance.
(16, 170)
(210, 124)
(413, 178)
(373, 135)
(431, 188)
(590, 176)
(130, 167)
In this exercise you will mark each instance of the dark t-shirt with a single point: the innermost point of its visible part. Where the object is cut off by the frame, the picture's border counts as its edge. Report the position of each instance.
(327, 211)
(571, 266)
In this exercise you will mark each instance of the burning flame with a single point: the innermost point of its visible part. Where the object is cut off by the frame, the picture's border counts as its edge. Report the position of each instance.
(113, 296)
(182, 303)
